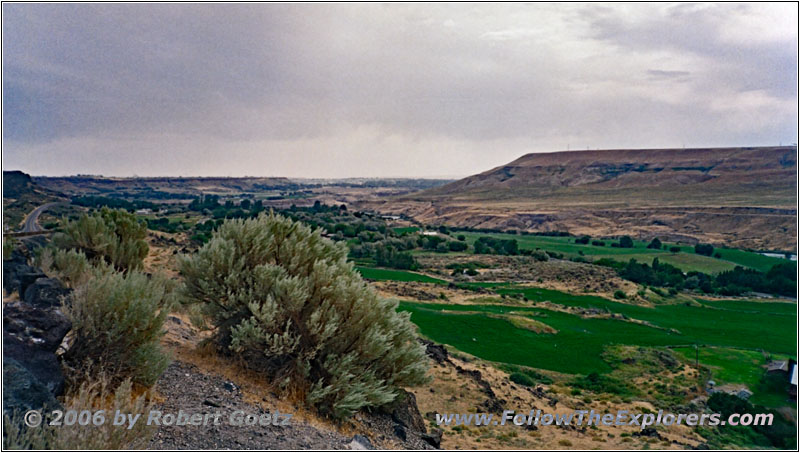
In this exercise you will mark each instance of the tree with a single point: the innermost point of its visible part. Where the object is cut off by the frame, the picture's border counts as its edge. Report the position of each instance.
(704, 249)
(457, 246)
(626, 242)
(285, 299)
(583, 239)
(654, 244)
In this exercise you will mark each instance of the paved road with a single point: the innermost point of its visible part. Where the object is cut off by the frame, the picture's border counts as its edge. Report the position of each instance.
(31, 224)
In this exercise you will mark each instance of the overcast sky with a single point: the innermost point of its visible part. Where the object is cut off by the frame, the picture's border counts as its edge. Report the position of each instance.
(339, 90)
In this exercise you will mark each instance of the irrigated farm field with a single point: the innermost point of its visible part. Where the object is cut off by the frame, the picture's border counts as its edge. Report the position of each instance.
(685, 259)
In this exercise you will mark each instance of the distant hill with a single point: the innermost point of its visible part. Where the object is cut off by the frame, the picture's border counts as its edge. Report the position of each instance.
(16, 183)
(737, 196)
(735, 169)
(22, 195)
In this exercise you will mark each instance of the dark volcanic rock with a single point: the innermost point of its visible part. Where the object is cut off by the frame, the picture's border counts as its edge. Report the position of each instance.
(400, 432)
(31, 337)
(647, 432)
(22, 390)
(26, 279)
(40, 329)
(434, 437)
(406, 413)
(46, 293)
(360, 442)
(435, 351)
(32, 333)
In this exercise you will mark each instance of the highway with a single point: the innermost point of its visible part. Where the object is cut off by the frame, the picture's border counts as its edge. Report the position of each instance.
(31, 224)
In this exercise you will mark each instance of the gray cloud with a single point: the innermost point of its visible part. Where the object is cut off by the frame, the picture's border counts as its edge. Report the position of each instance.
(383, 89)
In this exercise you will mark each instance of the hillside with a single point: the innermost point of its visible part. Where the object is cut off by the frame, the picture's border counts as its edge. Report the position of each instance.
(736, 196)
(21, 195)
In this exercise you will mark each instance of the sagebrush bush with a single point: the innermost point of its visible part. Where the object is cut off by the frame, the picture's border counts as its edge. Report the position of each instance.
(70, 266)
(287, 301)
(8, 246)
(114, 236)
(94, 396)
(117, 322)
(521, 379)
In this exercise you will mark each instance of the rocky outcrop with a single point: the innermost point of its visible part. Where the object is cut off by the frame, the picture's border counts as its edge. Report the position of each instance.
(405, 412)
(33, 330)
(46, 293)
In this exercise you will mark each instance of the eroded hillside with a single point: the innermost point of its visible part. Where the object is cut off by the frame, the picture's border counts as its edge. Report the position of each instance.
(743, 197)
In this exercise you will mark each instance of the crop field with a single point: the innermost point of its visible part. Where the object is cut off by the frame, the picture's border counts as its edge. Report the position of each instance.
(404, 230)
(733, 335)
(686, 259)
(373, 273)
(584, 338)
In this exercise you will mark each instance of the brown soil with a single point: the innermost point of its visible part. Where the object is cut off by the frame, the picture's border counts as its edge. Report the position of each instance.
(452, 391)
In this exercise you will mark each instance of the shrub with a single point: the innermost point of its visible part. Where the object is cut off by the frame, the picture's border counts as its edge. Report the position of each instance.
(521, 379)
(540, 255)
(457, 246)
(704, 249)
(8, 246)
(654, 244)
(583, 240)
(674, 249)
(626, 242)
(113, 236)
(286, 300)
(619, 294)
(91, 397)
(600, 383)
(490, 245)
(597, 243)
(70, 266)
(117, 322)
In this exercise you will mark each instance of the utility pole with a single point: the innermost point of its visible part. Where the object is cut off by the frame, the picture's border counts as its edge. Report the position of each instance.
(696, 356)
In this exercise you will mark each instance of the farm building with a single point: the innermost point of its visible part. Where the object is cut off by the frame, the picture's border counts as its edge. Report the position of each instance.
(778, 366)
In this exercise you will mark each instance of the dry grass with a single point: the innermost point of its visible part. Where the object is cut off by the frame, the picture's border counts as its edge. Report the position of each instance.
(451, 392)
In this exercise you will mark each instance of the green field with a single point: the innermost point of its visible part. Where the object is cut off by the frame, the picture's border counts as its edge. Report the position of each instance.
(737, 366)
(373, 273)
(686, 259)
(577, 347)
(404, 230)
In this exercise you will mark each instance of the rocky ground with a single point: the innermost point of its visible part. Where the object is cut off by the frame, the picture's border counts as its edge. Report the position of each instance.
(33, 329)
(201, 381)
(463, 384)
(187, 388)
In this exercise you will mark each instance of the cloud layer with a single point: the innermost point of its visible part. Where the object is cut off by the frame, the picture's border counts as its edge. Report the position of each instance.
(334, 90)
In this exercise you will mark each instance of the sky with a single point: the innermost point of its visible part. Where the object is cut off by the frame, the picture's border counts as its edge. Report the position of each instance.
(384, 90)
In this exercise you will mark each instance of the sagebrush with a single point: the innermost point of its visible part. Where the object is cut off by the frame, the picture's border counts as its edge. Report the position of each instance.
(117, 323)
(286, 299)
(71, 267)
(93, 397)
(113, 236)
